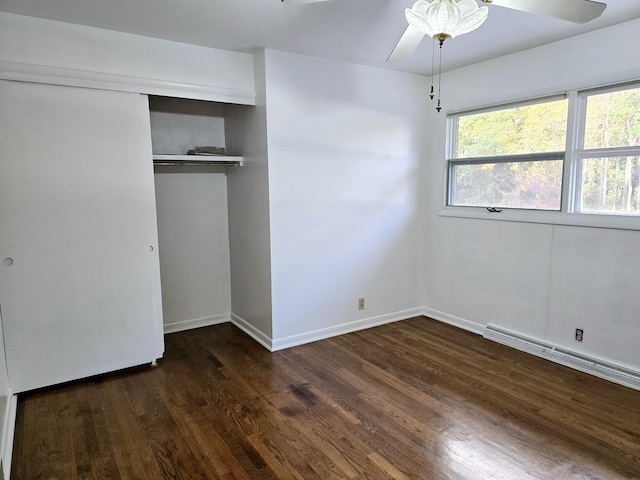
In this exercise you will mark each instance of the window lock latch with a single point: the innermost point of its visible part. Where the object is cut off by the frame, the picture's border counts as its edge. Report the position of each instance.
(493, 210)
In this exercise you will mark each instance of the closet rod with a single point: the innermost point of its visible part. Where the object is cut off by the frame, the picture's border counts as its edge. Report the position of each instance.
(195, 160)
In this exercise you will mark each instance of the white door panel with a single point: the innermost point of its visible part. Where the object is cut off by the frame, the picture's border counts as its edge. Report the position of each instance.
(77, 219)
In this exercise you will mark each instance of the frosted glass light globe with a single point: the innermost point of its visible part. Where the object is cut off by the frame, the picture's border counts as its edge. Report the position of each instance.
(443, 19)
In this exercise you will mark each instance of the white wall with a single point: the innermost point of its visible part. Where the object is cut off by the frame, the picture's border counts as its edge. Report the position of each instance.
(82, 56)
(344, 145)
(340, 198)
(193, 239)
(178, 124)
(540, 280)
(191, 203)
(249, 230)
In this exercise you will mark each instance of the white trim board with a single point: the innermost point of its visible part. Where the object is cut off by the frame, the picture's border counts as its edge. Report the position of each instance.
(8, 434)
(259, 336)
(196, 323)
(27, 72)
(452, 320)
(591, 365)
(293, 340)
(347, 327)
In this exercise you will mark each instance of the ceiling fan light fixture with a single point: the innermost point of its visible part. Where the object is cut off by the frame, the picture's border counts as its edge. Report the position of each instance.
(444, 19)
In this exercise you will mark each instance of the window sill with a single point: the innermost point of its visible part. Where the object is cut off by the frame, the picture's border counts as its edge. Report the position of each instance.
(615, 222)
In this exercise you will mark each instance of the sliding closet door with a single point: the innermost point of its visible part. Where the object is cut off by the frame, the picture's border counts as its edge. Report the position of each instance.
(78, 257)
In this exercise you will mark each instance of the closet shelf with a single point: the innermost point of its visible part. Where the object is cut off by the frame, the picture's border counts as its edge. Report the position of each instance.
(218, 160)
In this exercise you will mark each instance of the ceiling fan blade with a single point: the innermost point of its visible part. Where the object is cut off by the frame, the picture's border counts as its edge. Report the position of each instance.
(576, 11)
(407, 44)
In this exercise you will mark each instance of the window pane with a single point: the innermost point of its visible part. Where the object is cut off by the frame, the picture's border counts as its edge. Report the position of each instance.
(610, 185)
(613, 119)
(533, 185)
(537, 128)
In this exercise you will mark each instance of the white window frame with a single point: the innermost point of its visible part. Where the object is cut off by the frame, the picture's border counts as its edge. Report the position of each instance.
(579, 153)
(574, 155)
(453, 160)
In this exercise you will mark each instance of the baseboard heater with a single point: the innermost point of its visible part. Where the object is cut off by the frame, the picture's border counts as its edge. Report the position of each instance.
(568, 358)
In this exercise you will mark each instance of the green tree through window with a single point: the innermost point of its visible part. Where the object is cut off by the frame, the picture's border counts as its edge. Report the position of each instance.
(511, 157)
(515, 156)
(611, 160)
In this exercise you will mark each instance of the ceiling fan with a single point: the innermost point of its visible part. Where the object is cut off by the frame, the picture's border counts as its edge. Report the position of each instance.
(576, 11)
(445, 19)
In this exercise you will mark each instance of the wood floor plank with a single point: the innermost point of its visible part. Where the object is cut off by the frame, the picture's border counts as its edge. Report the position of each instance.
(416, 399)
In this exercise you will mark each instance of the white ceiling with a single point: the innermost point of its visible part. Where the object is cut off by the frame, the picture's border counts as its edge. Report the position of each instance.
(359, 31)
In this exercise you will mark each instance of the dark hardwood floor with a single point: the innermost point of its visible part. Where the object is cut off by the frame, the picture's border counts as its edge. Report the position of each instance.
(411, 400)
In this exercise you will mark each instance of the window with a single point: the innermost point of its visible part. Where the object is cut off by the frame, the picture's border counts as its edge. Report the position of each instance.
(517, 157)
(608, 154)
(509, 158)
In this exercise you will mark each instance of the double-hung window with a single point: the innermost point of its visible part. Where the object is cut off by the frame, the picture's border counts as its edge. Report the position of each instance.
(608, 152)
(511, 157)
(573, 154)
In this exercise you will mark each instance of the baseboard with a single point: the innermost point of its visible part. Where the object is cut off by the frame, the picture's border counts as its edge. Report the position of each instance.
(252, 331)
(8, 434)
(196, 323)
(449, 319)
(348, 327)
(591, 365)
(578, 361)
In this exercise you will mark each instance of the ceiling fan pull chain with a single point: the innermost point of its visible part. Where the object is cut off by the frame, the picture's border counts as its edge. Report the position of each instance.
(439, 107)
(433, 61)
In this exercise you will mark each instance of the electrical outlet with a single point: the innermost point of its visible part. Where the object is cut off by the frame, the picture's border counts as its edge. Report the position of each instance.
(361, 303)
(579, 334)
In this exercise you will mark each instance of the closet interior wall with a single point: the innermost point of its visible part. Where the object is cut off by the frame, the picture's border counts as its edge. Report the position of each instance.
(192, 211)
